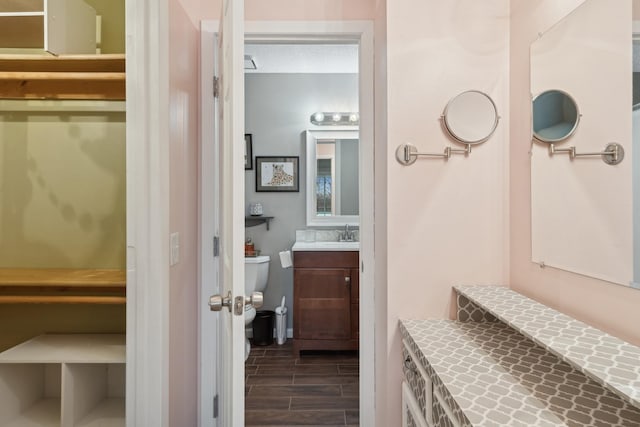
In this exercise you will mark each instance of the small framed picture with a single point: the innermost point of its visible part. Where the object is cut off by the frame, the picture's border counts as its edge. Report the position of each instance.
(248, 152)
(277, 174)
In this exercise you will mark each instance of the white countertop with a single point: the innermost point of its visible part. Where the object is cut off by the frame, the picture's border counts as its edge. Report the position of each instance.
(326, 246)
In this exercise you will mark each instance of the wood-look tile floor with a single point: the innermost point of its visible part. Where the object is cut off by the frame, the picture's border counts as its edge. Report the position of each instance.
(316, 389)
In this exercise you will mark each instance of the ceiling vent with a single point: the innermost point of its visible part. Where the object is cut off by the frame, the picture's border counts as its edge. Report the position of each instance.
(250, 63)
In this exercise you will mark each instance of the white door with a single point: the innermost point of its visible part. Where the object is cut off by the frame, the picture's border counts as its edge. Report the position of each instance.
(209, 226)
(230, 164)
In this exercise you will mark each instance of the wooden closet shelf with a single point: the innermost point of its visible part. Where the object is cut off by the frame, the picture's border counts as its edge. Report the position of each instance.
(62, 286)
(107, 63)
(63, 77)
(48, 75)
(62, 277)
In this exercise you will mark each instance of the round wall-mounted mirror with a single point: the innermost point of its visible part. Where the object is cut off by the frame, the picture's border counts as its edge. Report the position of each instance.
(555, 116)
(471, 117)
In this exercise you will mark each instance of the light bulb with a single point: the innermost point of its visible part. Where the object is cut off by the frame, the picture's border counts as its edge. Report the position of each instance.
(318, 117)
(337, 117)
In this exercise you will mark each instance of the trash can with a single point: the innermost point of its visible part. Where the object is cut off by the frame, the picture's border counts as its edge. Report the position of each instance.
(281, 325)
(263, 327)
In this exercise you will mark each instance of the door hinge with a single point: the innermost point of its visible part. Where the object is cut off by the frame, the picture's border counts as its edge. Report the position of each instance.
(362, 266)
(215, 406)
(216, 246)
(216, 87)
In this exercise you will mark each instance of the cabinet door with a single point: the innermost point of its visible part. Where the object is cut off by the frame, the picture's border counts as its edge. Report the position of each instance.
(322, 308)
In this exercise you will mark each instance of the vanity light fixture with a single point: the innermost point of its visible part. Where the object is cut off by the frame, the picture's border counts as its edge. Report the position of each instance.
(335, 119)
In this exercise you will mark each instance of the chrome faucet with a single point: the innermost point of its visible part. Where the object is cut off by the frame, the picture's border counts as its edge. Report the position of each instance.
(347, 235)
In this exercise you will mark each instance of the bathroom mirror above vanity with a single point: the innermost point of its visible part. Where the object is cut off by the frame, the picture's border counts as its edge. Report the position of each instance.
(332, 177)
(581, 195)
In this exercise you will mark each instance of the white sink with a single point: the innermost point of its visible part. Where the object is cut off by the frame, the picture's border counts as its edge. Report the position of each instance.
(326, 246)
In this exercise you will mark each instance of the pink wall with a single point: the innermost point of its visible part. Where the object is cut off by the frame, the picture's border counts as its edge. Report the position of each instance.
(447, 221)
(283, 10)
(183, 128)
(604, 305)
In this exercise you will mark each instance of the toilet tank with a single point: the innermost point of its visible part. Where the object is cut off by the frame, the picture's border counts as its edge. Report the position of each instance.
(256, 273)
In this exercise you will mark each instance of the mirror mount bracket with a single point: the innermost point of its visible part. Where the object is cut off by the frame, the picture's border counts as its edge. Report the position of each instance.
(613, 153)
(407, 154)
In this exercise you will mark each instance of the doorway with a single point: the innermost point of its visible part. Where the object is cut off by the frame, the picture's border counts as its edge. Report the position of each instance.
(359, 33)
(288, 85)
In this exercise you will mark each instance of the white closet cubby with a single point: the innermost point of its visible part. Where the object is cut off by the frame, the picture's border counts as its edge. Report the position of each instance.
(75, 380)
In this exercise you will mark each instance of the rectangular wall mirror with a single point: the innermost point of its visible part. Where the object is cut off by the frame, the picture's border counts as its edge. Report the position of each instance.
(332, 177)
(581, 208)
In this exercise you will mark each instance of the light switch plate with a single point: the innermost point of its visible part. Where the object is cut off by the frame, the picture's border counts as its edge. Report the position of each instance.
(175, 248)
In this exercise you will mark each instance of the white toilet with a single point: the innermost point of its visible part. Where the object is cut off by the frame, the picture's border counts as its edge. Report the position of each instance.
(256, 274)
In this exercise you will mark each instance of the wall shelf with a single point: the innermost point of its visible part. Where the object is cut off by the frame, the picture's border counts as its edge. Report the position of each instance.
(99, 77)
(252, 221)
(62, 286)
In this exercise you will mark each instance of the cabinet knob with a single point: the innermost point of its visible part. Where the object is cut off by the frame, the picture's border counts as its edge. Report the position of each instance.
(347, 280)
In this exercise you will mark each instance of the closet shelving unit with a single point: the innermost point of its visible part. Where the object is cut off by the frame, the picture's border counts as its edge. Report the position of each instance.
(62, 77)
(75, 380)
(72, 380)
(65, 77)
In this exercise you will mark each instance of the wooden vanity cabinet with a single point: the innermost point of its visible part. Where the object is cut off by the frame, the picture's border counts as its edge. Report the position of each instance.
(325, 300)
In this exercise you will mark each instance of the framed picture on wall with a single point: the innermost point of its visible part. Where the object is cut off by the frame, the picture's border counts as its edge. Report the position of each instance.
(248, 152)
(277, 174)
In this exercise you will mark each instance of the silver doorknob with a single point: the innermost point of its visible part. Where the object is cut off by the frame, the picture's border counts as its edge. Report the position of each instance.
(255, 299)
(216, 302)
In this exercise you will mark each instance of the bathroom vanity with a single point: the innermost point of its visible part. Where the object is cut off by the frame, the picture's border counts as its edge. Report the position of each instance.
(508, 360)
(325, 296)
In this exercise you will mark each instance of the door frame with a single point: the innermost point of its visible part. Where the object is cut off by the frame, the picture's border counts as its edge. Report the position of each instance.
(147, 152)
(360, 32)
(208, 223)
